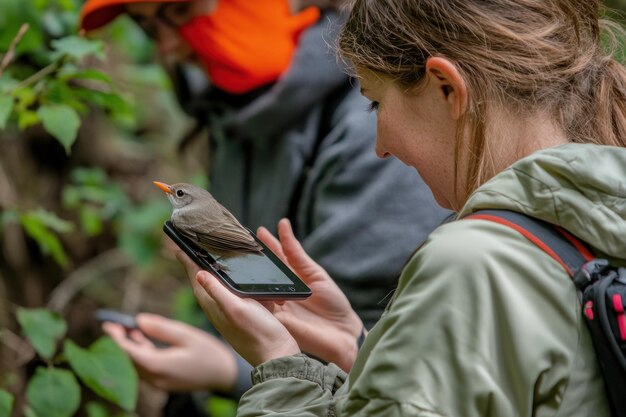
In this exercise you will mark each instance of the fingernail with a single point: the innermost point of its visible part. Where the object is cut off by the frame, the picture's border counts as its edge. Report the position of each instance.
(202, 278)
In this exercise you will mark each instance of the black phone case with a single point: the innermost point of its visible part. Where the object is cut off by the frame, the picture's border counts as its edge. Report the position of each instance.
(298, 290)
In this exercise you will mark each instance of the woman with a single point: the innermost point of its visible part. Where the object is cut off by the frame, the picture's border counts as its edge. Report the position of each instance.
(505, 104)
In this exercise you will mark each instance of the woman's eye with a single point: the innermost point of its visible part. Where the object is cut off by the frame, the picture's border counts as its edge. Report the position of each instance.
(180, 193)
(373, 106)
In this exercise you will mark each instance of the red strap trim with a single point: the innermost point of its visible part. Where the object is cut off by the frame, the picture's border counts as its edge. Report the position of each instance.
(526, 234)
(589, 310)
(621, 319)
(577, 244)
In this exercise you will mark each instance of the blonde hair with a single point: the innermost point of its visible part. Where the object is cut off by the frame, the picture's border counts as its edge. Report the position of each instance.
(530, 55)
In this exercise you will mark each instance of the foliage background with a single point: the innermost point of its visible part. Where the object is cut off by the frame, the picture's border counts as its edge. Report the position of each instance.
(85, 127)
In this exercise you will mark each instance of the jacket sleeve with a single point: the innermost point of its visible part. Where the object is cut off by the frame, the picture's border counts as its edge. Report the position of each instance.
(294, 386)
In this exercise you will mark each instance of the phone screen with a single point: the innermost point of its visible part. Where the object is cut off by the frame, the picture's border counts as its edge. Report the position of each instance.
(250, 269)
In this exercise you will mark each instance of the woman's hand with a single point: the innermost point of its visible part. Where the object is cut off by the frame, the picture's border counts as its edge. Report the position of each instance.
(193, 359)
(246, 324)
(324, 325)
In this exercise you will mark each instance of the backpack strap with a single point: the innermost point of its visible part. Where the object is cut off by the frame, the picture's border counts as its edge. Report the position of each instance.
(564, 248)
(598, 283)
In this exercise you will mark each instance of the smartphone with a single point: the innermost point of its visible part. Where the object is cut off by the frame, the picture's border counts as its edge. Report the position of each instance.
(126, 320)
(261, 276)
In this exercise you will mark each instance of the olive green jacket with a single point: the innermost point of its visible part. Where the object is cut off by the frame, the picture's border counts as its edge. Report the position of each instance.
(483, 322)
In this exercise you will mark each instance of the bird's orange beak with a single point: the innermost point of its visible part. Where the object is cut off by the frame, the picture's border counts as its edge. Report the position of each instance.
(164, 187)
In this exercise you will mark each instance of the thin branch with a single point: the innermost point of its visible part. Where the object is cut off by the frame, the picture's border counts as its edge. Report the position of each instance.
(83, 276)
(24, 352)
(8, 57)
(42, 73)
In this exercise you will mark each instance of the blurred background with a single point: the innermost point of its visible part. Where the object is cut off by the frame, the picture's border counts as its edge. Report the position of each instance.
(85, 127)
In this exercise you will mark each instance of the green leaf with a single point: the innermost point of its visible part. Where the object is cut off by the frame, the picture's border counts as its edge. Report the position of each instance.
(77, 47)
(58, 92)
(25, 98)
(96, 410)
(221, 407)
(52, 221)
(68, 5)
(43, 328)
(14, 14)
(27, 119)
(106, 369)
(35, 225)
(6, 107)
(52, 23)
(6, 403)
(90, 221)
(84, 74)
(7, 82)
(53, 393)
(62, 122)
(106, 100)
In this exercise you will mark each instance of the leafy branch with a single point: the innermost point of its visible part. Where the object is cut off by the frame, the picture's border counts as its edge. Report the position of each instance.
(54, 391)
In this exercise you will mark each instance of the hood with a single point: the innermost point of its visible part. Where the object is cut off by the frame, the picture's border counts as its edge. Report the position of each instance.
(580, 187)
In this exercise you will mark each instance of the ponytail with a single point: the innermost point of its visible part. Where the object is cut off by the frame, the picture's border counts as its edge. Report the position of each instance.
(610, 105)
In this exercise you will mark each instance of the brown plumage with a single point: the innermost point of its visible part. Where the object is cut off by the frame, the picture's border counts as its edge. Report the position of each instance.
(199, 217)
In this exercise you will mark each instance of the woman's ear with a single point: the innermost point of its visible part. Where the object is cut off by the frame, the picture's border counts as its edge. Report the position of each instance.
(451, 84)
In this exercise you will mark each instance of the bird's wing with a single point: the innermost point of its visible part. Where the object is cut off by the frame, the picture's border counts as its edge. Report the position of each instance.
(227, 234)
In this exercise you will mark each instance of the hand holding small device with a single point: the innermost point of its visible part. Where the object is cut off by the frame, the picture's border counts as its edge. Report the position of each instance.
(128, 323)
(192, 359)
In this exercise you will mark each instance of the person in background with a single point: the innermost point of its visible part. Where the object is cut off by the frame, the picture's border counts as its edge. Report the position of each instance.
(504, 104)
(290, 136)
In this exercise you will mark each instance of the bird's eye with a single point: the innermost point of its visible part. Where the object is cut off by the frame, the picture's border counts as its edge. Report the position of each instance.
(180, 193)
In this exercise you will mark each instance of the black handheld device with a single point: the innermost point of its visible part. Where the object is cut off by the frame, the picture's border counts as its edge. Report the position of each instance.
(126, 320)
(261, 276)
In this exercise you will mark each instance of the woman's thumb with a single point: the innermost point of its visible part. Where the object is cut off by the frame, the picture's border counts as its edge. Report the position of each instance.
(161, 328)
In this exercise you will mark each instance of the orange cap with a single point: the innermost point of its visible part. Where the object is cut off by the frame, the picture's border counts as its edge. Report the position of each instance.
(97, 13)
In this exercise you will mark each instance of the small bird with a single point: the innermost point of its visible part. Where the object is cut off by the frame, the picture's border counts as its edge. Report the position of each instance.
(199, 217)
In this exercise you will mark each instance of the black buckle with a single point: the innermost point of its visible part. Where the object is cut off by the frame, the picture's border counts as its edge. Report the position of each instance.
(590, 272)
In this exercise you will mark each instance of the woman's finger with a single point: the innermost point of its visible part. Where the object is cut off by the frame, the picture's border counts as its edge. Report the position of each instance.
(161, 328)
(221, 297)
(272, 243)
(305, 267)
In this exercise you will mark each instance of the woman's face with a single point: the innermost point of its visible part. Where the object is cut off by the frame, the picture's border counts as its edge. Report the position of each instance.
(418, 128)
